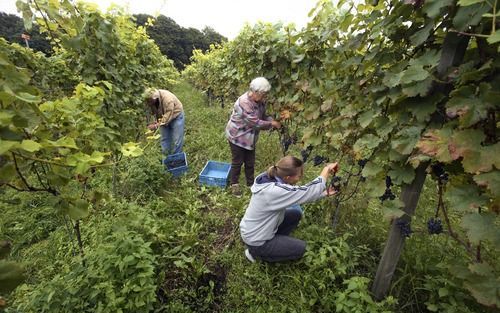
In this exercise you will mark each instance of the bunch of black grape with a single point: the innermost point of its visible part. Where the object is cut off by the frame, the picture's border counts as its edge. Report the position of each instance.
(318, 160)
(404, 227)
(388, 192)
(438, 171)
(305, 153)
(434, 226)
(287, 140)
(362, 162)
(335, 183)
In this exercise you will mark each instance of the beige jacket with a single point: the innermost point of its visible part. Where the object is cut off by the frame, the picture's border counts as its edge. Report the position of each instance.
(170, 107)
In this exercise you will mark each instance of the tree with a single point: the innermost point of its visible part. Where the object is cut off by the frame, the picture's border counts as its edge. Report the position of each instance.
(12, 27)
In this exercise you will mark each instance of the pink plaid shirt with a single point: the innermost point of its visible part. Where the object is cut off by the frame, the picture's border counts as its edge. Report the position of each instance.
(247, 119)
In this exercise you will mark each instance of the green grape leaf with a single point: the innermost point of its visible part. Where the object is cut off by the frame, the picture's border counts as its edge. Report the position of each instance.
(368, 141)
(476, 158)
(469, 2)
(470, 110)
(67, 142)
(433, 7)
(6, 118)
(490, 180)
(418, 88)
(429, 59)
(376, 187)
(422, 108)
(470, 15)
(414, 73)
(465, 198)
(7, 145)
(406, 139)
(366, 118)
(79, 209)
(26, 97)
(371, 169)
(30, 145)
(402, 174)
(481, 227)
(392, 79)
(483, 269)
(421, 36)
(392, 209)
(485, 290)
(494, 38)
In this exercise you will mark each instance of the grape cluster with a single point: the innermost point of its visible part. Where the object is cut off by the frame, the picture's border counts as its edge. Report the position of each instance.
(439, 172)
(335, 183)
(286, 143)
(388, 192)
(362, 162)
(287, 140)
(434, 226)
(318, 160)
(305, 153)
(404, 227)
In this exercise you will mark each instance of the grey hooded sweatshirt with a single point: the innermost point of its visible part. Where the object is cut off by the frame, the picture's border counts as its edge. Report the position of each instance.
(270, 198)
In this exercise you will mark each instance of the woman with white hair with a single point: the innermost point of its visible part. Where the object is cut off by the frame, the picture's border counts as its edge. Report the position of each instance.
(242, 130)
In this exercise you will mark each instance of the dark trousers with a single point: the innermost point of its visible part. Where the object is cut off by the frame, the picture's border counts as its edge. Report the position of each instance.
(240, 156)
(282, 247)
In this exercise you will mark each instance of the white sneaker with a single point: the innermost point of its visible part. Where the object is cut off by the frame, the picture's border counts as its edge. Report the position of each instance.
(249, 256)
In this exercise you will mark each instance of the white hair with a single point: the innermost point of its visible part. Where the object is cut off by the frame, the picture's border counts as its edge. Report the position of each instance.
(260, 85)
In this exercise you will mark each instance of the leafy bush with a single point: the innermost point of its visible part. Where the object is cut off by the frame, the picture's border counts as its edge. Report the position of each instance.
(116, 277)
(356, 298)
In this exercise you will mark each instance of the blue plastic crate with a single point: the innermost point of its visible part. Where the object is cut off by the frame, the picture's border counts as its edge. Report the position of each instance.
(215, 174)
(176, 164)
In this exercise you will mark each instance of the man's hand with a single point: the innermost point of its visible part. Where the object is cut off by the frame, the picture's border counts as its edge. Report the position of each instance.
(275, 124)
(153, 126)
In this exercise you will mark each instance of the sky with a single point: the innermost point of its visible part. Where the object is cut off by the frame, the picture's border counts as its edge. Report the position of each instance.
(227, 17)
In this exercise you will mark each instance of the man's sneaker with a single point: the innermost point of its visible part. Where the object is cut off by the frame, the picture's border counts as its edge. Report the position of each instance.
(236, 191)
(249, 256)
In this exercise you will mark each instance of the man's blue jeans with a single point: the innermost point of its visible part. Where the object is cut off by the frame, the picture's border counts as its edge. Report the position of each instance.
(172, 135)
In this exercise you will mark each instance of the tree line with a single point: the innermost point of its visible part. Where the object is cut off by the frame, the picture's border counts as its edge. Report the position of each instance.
(174, 41)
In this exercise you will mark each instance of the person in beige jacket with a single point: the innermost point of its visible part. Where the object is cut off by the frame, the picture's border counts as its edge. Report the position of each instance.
(168, 115)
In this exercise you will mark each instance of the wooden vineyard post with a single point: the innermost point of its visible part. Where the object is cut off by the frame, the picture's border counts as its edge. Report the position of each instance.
(452, 53)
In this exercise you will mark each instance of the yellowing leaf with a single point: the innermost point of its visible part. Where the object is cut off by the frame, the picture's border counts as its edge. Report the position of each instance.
(30, 145)
(7, 145)
(131, 149)
(435, 143)
(67, 142)
(476, 158)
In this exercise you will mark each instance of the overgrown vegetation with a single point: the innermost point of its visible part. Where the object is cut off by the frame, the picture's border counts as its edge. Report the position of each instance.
(175, 42)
